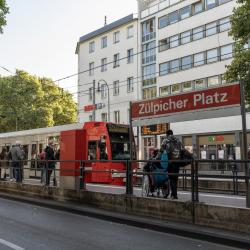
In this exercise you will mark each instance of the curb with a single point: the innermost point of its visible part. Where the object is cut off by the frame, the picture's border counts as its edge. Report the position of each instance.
(190, 231)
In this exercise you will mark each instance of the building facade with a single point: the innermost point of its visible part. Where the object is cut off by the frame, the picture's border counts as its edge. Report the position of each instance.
(178, 46)
(108, 61)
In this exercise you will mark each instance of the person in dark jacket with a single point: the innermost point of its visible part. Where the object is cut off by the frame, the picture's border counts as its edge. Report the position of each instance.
(50, 161)
(173, 147)
(17, 156)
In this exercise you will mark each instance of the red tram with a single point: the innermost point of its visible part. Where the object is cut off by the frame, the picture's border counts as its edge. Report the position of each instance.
(97, 142)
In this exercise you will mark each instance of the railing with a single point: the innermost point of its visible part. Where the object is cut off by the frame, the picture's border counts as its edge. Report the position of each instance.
(232, 175)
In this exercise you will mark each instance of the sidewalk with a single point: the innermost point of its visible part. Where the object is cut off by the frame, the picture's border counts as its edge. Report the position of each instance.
(186, 230)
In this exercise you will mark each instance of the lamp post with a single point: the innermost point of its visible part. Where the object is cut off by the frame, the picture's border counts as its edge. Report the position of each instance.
(98, 89)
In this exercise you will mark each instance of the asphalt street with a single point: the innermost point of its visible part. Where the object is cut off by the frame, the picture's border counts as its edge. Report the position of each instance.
(25, 226)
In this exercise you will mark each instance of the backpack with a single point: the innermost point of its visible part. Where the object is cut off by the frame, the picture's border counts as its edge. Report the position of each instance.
(175, 148)
(164, 160)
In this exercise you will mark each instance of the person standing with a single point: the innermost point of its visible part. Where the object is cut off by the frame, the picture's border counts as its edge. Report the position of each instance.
(4, 162)
(17, 155)
(174, 148)
(50, 161)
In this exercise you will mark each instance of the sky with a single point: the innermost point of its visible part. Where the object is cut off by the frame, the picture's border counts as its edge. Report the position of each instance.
(41, 36)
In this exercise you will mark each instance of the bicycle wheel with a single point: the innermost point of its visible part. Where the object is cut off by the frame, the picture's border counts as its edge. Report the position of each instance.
(145, 186)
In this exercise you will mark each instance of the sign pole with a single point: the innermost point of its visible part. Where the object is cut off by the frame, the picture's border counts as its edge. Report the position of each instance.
(244, 136)
(93, 111)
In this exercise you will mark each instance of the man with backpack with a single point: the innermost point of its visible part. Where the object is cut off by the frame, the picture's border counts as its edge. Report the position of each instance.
(174, 149)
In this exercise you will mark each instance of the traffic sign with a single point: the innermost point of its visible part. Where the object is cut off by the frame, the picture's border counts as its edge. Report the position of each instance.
(89, 108)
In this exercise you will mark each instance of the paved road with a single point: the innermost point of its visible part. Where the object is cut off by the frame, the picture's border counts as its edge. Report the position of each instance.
(24, 226)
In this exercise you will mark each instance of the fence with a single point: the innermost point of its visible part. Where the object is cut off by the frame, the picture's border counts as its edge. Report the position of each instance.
(232, 175)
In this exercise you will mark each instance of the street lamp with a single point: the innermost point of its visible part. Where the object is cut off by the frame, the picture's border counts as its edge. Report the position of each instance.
(98, 89)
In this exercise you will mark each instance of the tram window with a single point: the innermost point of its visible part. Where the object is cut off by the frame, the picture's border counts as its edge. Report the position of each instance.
(92, 150)
(103, 151)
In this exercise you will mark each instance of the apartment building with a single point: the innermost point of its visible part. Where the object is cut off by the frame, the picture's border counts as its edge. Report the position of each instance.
(186, 48)
(108, 71)
(174, 47)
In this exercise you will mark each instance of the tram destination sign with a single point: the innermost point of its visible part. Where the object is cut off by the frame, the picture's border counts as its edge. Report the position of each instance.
(197, 100)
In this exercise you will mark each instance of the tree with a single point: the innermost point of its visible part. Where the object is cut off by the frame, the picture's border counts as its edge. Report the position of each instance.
(28, 102)
(239, 68)
(3, 11)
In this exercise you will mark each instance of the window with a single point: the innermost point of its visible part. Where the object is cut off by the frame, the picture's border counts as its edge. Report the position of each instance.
(163, 45)
(211, 29)
(148, 27)
(186, 86)
(185, 12)
(103, 91)
(104, 42)
(164, 90)
(198, 33)
(174, 65)
(116, 60)
(116, 88)
(130, 31)
(149, 51)
(163, 21)
(117, 116)
(130, 55)
(186, 62)
(149, 93)
(176, 88)
(224, 24)
(117, 37)
(173, 17)
(91, 69)
(92, 150)
(104, 117)
(103, 64)
(197, 7)
(186, 37)
(223, 1)
(200, 84)
(164, 68)
(90, 94)
(211, 81)
(149, 71)
(212, 55)
(226, 51)
(91, 47)
(210, 4)
(199, 59)
(130, 84)
(174, 41)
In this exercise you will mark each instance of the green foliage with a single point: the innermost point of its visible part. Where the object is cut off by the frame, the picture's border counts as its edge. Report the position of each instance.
(239, 68)
(28, 102)
(3, 11)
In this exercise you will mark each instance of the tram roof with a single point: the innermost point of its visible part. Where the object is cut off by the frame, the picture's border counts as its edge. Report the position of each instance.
(40, 131)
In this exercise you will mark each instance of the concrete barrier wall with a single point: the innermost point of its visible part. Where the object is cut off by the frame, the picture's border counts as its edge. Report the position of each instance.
(229, 218)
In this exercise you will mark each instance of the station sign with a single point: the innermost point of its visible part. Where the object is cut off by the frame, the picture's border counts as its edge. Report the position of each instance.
(197, 100)
(89, 108)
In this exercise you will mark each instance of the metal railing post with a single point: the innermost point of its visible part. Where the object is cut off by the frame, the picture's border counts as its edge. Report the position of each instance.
(81, 176)
(129, 186)
(196, 182)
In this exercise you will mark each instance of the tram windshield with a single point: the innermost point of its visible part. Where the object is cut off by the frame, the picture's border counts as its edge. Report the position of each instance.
(119, 141)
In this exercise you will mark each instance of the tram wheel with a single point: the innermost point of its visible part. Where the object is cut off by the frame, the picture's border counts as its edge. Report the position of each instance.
(145, 186)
